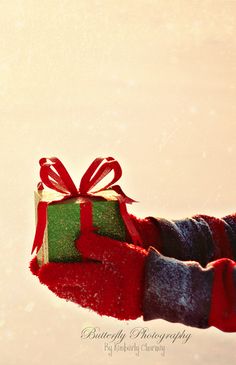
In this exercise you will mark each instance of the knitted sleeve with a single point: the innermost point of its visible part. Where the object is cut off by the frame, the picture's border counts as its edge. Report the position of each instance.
(201, 238)
(185, 292)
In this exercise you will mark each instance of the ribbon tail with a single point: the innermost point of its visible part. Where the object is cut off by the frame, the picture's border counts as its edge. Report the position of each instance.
(136, 239)
(41, 225)
(119, 191)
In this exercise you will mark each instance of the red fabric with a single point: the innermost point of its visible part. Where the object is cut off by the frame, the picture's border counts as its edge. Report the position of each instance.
(223, 299)
(149, 232)
(222, 244)
(110, 281)
(34, 267)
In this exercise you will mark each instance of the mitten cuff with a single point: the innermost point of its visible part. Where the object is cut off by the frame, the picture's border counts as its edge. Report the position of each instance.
(148, 230)
(176, 291)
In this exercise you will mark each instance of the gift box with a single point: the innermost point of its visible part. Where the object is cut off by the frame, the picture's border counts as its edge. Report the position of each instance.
(64, 223)
(64, 212)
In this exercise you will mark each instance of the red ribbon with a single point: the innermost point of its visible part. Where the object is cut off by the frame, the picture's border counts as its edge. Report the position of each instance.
(54, 175)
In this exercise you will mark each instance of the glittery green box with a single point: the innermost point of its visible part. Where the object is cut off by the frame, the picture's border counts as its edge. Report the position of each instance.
(63, 224)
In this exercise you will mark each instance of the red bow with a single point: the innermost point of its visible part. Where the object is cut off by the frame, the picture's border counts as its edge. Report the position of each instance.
(54, 175)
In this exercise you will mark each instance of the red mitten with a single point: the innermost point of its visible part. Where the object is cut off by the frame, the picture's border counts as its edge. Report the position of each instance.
(149, 231)
(109, 281)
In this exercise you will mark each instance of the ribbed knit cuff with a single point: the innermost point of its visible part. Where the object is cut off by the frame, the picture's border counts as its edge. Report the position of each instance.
(176, 291)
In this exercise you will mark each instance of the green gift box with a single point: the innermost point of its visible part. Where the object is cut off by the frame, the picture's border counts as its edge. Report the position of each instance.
(64, 222)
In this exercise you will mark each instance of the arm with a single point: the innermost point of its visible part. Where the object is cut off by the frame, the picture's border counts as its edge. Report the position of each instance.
(185, 292)
(126, 281)
(201, 238)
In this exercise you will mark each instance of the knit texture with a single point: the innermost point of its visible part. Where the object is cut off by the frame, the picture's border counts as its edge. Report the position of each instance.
(108, 281)
(207, 285)
(176, 291)
(148, 230)
(188, 274)
(200, 238)
(223, 303)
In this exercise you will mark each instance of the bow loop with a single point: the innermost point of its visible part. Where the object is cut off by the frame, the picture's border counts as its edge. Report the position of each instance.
(97, 171)
(55, 176)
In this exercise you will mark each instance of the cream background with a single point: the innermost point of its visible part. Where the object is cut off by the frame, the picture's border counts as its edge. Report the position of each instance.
(151, 83)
